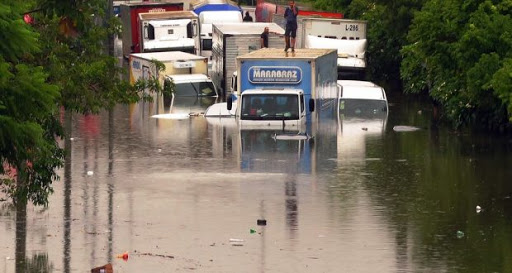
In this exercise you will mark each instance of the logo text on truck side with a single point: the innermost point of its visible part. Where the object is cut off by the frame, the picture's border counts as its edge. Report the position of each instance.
(275, 74)
(136, 64)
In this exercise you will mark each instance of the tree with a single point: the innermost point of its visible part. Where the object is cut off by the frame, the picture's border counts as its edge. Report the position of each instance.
(459, 53)
(388, 24)
(73, 35)
(29, 153)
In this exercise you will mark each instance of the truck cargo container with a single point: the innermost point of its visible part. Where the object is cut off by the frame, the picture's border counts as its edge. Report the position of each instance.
(207, 19)
(348, 37)
(170, 31)
(294, 91)
(232, 40)
(177, 66)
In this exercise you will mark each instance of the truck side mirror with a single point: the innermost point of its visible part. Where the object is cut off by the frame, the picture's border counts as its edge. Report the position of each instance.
(230, 103)
(311, 105)
(145, 31)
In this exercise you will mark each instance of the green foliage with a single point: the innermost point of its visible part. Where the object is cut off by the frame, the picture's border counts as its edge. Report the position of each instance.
(456, 51)
(73, 38)
(152, 85)
(29, 152)
(330, 5)
(502, 82)
(388, 23)
(16, 37)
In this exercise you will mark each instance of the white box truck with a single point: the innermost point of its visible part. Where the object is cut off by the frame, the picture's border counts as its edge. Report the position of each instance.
(232, 40)
(283, 91)
(207, 19)
(177, 63)
(348, 37)
(170, 31)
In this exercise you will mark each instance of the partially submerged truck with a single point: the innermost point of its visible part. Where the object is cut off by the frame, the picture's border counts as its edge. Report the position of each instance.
(188, 72)
(232, 40)
(348, 37)
(281, 91)
(170, 31)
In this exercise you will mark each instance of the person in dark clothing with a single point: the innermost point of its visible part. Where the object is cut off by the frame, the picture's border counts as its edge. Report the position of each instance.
(247, 17)
(264, 38)
(290, 14)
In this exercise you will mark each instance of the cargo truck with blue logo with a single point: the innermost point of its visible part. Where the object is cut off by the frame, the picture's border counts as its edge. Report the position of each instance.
(284, 91)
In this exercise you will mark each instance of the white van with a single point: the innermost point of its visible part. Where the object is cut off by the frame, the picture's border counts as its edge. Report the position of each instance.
(362, 99)
(192, 85)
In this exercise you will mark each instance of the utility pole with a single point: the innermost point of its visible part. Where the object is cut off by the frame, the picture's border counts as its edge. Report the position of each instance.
(110, 14)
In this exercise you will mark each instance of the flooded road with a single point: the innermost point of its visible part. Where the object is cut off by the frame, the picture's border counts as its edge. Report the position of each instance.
(185, 195)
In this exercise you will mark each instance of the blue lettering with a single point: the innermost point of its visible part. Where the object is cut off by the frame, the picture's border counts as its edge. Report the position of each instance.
(275, 74)
(136, 64)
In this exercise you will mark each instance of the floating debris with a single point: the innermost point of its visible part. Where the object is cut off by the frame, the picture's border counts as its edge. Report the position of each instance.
(103, 269)
(236, 242)
(478, 209)
(172, 116)
(460, 234)
(156, 255)
(123, 256)
(90, 173)
(261, 222)
(291, 137)
(404, 128)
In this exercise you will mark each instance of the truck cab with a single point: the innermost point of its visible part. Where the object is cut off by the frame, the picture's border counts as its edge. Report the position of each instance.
(170, 31)
(271, 108)
(192, 85)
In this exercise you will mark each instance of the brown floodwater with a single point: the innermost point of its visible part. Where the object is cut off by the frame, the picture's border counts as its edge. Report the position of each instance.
(184, 194)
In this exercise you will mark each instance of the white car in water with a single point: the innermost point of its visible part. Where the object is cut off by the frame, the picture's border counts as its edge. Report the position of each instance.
(362, 99)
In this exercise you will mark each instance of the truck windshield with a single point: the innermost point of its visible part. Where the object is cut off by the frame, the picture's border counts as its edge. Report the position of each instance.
(362, 108)
(270, 107)
(195, 89)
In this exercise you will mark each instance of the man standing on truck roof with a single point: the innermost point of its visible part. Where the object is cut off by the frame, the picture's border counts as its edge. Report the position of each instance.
(290, 14)
(264, 38)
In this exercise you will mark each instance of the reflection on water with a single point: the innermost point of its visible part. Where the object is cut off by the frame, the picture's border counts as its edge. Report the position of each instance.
(358, 197)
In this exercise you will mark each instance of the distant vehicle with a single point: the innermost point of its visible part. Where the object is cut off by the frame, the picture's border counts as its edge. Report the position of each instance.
(170, 31)
(142, 66)
(207, 19)
(192, 85)
(361, 99)
(184, 104)
(270, 12)
(348, 37)
(129, 13)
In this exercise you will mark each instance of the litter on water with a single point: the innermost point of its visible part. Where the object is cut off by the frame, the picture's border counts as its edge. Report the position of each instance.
(291, 137)
(405, 128)
(172, 116)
